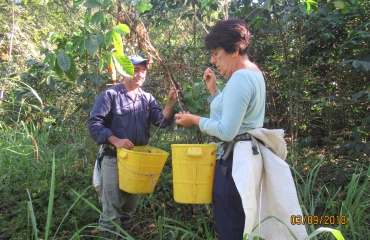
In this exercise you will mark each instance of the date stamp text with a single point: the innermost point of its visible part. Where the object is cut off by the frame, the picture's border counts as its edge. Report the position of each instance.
(318, 220)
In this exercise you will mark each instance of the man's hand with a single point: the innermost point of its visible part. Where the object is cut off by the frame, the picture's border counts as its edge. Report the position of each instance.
(173, 95)
(120, 143)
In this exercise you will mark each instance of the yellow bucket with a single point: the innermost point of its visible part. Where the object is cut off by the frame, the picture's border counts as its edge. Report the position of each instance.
(193, 167)
(140, 168)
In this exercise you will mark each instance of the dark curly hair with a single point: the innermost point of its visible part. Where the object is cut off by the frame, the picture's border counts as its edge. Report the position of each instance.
(231, 35)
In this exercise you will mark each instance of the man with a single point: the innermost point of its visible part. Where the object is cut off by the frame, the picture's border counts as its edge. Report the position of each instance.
(121, 118)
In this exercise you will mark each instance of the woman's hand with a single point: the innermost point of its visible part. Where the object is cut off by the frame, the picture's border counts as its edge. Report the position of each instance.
(210, 79)
(186, 119)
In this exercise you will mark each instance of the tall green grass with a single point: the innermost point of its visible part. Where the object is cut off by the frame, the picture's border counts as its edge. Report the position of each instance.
(351, 202)
(59, 176)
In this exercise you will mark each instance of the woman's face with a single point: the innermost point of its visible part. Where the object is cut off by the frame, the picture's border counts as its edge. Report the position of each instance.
(222, 60)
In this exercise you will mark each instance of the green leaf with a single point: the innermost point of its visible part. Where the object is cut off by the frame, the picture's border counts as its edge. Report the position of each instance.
(50, 81)
(339, 4)
(72, 72)
(103, 22)
(92, 4)
(101, 38)
(204, 3)
(143, 6)
(95, 78)
(58, 71)
(117, 41)
(107, 2)
(108, 37)
(33, 91)
(101, 64)
(122, 29)
(197, 89)
(345, 9)
(63, 61)
(50, 60)
(77, 3)
(358, 95)
(123, 64)
(337, 234)
(77, 43)
(87, 18)
(81, 49)
(92, 45)
(97, 17)
(32, 214)
(51, 200)
(365, 65)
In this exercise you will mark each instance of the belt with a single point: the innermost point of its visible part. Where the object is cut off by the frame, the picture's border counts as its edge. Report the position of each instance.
(241, 137)
(230, 145)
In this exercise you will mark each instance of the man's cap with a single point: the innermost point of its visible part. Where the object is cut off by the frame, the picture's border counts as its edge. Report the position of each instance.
(137, 59)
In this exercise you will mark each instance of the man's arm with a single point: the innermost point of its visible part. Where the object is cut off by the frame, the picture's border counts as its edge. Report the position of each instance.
(171, 100)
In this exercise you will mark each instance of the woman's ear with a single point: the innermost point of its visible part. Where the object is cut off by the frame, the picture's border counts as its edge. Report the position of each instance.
(235, 54)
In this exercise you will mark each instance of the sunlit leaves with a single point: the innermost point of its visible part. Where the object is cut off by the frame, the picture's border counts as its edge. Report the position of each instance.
(77, 3)
(123, 64)
(143, 5)
(122, 29)
(343, 6)
(306, 6)
(116, 35)
(117, 42)
(339, 4)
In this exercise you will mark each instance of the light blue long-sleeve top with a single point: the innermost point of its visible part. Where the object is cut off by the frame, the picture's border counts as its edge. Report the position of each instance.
(238, 108)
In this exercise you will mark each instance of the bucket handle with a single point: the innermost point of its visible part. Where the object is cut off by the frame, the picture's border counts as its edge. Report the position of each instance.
(123, 155)
(197, 152)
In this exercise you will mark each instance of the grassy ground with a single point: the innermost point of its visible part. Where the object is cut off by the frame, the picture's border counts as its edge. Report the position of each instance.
(46, 190)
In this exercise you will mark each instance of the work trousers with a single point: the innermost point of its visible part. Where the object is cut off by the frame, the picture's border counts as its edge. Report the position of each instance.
(118, 205)
(228, 208)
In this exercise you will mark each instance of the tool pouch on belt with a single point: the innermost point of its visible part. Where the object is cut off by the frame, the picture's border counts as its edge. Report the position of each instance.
(110, 150)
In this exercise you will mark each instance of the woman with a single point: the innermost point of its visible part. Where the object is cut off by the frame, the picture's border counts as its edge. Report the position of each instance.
(238, 108)
(252, 181)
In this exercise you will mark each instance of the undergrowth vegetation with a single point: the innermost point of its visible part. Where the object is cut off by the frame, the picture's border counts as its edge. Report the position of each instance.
(55, 57)
(48, 191)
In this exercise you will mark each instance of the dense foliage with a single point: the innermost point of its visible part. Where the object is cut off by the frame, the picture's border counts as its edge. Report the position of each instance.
(56, 56)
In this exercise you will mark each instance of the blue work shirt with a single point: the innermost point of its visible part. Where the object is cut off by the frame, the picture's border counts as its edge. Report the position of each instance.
(116, 113)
